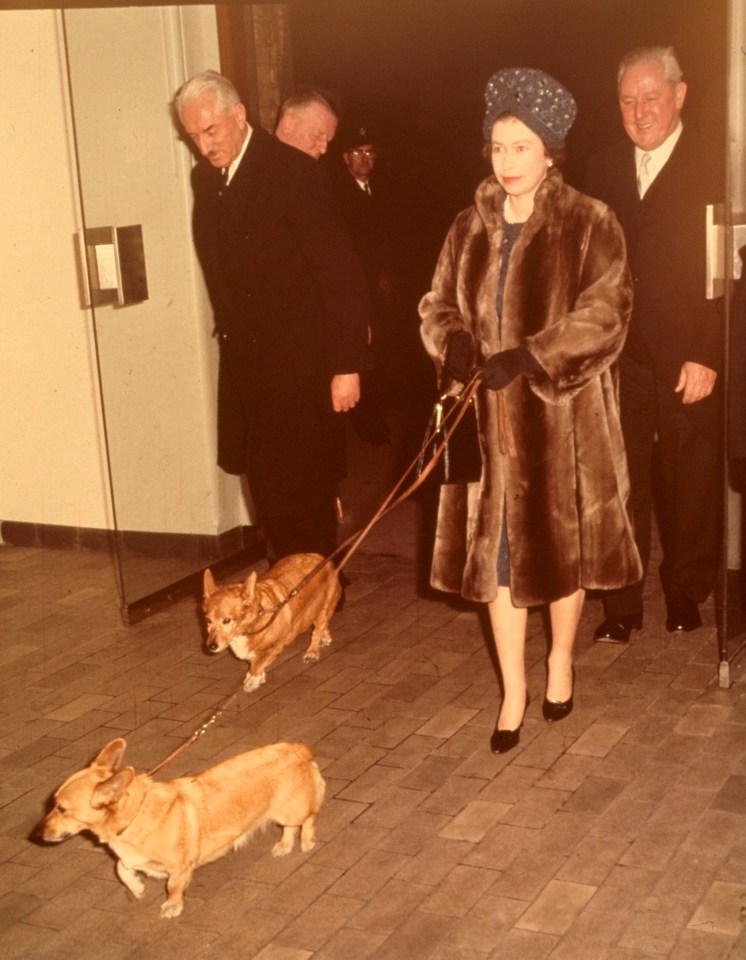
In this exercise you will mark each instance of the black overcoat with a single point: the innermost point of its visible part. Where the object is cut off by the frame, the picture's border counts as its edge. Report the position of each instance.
(672, 320)
(372, 224)
(291, 311)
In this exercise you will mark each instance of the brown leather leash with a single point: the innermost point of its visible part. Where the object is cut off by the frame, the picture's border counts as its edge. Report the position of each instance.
(450, 422)
(199, 732)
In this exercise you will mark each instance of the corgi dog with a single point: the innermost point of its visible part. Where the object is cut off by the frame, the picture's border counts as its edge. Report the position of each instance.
(248, 617)
(166, 830)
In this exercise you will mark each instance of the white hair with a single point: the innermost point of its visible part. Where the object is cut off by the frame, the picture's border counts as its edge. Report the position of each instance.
(664, 55)
(207, 82)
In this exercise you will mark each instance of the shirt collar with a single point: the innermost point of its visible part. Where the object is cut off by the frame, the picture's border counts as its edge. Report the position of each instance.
(234, 166)
(660, 156)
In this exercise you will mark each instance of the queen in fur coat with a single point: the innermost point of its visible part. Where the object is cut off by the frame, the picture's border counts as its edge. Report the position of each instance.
(532, 288)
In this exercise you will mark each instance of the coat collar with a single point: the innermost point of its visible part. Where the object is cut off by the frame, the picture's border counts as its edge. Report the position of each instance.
(490, 196)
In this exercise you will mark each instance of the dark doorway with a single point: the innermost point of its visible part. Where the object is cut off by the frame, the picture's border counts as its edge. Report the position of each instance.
(419, 68)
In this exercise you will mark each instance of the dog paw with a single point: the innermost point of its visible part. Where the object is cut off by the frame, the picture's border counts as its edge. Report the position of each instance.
(309, 657)
(326, 640)
(307, 845)
(135, 886)
(132, 881)
(252, 682)
(170, 910)
(282, 848)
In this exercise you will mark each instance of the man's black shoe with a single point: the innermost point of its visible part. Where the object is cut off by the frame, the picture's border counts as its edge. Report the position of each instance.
(618, 629)
(682, 615)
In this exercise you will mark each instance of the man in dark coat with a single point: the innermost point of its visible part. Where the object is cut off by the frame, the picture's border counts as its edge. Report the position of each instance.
(291, 314)
(307, 120)
(366, 205)
(368, 209)
(386, 241)
(658, 183)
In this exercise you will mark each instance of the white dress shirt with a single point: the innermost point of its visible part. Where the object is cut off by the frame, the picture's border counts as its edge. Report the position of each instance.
(658, 157)
(234, 166)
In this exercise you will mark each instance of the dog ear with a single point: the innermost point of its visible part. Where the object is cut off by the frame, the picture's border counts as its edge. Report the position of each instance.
(109, 791)
(249, 586)
(208, 583)
(110, 758)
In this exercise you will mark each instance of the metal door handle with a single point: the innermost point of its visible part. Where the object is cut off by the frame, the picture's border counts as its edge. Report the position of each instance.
(719, 270)
(113, 261)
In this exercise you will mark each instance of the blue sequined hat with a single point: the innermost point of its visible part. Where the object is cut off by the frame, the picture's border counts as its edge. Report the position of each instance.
(540, 101)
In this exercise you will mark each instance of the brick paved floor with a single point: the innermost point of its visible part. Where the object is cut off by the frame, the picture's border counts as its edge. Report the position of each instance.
(618, 834)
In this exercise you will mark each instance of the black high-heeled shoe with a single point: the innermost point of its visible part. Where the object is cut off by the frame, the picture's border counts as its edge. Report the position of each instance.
(503, 740)
(554, 710)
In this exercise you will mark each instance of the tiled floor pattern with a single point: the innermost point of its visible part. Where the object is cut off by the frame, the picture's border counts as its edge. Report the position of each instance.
(617, 834)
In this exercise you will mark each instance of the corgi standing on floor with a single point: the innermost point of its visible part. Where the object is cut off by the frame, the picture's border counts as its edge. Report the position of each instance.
(167, 830)
(244, 616)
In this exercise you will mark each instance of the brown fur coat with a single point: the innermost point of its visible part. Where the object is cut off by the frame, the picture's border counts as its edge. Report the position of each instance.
(566, 492)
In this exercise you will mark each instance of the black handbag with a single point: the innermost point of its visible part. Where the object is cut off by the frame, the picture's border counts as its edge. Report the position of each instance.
(460, 459)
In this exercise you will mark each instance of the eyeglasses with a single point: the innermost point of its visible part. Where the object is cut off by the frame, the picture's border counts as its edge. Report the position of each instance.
(370, 154)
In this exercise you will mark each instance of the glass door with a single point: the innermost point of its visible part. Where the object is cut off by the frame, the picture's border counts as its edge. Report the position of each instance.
(732, 632)
(175, 512)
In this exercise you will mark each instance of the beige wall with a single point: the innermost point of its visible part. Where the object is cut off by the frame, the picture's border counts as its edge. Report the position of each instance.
(53, 461)
(158, 359)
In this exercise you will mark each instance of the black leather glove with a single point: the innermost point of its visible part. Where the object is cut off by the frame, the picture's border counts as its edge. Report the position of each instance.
(460, 356)
(502, 368)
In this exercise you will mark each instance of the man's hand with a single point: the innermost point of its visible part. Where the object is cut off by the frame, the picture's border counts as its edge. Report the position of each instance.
(696, 382)
(345, 391)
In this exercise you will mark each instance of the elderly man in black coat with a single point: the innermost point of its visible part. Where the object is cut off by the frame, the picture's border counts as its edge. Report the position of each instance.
(291, 314)
(658, 183)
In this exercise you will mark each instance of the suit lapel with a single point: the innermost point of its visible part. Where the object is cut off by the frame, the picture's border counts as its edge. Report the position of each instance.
(668, 177)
